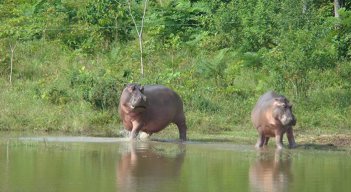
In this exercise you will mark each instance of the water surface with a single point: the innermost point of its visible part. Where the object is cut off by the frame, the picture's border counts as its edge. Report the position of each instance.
(34, 164)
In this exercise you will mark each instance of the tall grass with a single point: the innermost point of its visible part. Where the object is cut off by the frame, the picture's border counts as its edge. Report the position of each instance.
(55, 89)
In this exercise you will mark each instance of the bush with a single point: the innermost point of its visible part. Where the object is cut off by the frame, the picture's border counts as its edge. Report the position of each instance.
(101, 91)
(104, 95)
(58, 96)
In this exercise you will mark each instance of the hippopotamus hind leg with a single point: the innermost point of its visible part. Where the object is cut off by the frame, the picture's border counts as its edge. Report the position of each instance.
(182, 128)
(266, 141)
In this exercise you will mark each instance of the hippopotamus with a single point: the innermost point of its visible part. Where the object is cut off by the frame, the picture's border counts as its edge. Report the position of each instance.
(272, 116)
(150, 109)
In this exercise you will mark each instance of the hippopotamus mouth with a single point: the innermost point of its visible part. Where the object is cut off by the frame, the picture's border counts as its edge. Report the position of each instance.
(137, 107)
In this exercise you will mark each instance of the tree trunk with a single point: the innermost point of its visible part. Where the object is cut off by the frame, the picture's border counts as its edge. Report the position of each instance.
(12, 47)
(116, 28)
(139, 32)
(337, 6)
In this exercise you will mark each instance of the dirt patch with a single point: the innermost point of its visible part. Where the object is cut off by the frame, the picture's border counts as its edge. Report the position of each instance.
(330, 140)
(337, 140)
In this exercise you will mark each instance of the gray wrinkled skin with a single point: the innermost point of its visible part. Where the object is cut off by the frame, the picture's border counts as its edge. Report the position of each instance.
(272, 116)
(150, 109)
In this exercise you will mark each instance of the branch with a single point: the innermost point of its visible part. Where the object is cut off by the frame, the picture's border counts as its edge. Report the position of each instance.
(143, 18)
(131, 15)
(12, 47)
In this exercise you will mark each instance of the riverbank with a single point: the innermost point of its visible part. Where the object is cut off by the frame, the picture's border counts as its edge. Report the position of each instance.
(305, 140)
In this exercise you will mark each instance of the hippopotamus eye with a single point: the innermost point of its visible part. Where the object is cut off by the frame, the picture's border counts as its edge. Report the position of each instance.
(131, 88)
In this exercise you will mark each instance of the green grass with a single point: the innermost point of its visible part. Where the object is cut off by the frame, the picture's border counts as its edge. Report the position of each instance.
(56, 90)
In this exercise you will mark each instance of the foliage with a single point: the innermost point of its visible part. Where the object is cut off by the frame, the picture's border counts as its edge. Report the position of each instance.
(73, 57)
(100, 91)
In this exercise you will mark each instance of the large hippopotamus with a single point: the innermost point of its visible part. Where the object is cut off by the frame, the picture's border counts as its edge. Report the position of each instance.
(150, 109)
(272, 117)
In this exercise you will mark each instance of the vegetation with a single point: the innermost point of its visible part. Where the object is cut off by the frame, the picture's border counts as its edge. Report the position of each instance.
(63, 64)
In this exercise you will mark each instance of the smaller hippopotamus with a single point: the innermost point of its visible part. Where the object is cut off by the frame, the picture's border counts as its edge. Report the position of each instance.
(150, 109)
(272, 117)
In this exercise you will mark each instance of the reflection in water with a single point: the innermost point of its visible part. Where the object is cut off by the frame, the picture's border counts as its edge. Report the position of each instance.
(271, 172)
(146, 166)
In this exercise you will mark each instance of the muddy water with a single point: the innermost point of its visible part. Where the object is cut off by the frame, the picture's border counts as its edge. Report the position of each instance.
(110, 164)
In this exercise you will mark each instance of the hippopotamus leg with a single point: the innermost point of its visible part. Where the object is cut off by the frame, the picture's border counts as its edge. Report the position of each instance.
(266, 141)
(291, 139)
(181, 124)
(279, 140)
(260, 140)
(135, 130)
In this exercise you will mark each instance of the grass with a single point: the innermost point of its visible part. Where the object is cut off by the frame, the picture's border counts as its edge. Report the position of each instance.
(58, 91)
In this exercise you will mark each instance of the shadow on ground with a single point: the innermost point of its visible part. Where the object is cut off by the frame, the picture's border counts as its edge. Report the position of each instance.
(313, 146)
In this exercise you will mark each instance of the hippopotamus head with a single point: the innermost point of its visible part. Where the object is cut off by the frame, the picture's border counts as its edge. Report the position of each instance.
(282, 111)
(134, 97)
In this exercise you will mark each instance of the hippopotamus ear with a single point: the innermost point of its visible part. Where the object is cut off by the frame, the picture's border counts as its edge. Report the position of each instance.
(290, 105)
(278, 102)
(131, 87)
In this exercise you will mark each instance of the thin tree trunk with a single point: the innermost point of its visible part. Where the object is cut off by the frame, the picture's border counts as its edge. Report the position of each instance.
(139, 32)
(304, 8)
(12, 47)
(337, 6)
(141, 55)
(116, 26)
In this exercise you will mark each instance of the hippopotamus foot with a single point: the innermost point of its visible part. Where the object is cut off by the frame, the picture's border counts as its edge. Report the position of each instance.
(260, 141)
(144, 136)
(133, 135)
(181, 127)
(291, 138)
(279, 147)
(182, 135)
(279, 141)
(292, 145)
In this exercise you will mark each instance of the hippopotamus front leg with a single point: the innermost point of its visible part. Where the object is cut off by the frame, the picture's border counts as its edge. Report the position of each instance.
(266, 141)
(135, 130)
(279, 140)
(291, 139)
(260, 140)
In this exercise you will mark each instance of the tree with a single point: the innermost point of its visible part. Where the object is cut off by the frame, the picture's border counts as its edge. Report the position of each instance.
(17, 25)
(12, 47)
(337, 6)
(111, 19)
(139, 31)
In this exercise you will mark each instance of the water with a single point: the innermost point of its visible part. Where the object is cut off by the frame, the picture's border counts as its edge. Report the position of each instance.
(111, 164)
